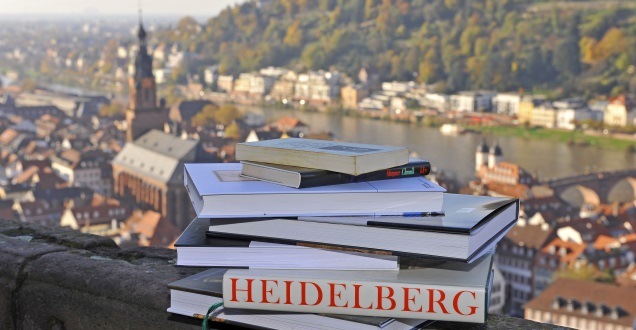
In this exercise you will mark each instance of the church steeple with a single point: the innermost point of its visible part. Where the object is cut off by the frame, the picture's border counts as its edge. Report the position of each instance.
(143, 111)
(143, 92)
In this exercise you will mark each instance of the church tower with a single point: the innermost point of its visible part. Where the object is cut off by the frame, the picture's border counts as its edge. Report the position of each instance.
(143, 113)
(495, 155)
(481, 155)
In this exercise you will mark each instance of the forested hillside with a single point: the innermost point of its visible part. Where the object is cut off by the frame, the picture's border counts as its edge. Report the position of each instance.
(538, 46)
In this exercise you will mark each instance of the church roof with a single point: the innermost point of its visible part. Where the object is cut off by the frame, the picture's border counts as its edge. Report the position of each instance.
(157, 155)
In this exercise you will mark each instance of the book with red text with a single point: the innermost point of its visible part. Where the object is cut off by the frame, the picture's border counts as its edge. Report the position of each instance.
(303, 177)
(192, 296)
(448, 291)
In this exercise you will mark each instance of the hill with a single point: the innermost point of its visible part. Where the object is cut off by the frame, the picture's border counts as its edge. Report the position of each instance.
(558, 47)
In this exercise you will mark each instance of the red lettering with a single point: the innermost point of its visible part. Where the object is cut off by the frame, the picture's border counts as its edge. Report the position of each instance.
(333, 295)
(356, 297)
(303, 293)
(287, 292)
(456, 303)
(382, 297)
(391, 174)
(248, 290)
(422, 170)
(431, 300)
(265, 292)
(408, 300)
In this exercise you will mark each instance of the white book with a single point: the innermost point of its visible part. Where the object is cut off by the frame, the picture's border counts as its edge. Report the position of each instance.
(342, 157)
(218, 190)
(448, 291)
(193, 296)
(196, 249)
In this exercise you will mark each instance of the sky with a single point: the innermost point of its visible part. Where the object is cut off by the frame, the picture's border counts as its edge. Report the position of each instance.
(42, 8)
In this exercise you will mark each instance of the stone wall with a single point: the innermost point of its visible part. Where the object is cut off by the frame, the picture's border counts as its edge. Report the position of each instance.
(53, 278)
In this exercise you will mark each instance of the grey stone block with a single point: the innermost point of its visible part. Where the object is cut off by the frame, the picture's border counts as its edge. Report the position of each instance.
(14, 255)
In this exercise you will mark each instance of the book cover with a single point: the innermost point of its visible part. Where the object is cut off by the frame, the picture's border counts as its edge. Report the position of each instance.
(449, 291)
(374, 240)
(196, 249)
(302, 177)
(192, 296)
(463, 214)
(343, 157)
(217, 190)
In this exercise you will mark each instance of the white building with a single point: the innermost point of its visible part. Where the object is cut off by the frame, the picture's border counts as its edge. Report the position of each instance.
(472, 101)
(566, 118)
(317, 86)
(398, 87)
(506, 104)
(439, 102)
(497, 292)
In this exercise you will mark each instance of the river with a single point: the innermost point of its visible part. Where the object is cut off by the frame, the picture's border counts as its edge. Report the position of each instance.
(455, 155)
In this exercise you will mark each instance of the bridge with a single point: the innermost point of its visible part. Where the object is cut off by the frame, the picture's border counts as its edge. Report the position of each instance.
(607, 186)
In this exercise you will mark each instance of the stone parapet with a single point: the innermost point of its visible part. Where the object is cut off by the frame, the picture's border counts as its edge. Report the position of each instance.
(54, 278)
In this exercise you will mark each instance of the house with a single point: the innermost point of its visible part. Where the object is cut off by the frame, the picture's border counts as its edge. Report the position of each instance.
(526, 107)
(497, 292)
(40, 212)
(556, 255)
(544, 115)
(515, 258)
(262, 135)
(151, 229)
(102, 219)
(480, 101)
(620, 112)
(225, 84)
(283, 88)
(291, 126)
(317, 87)
(351, 95)
(506, 104)
(584, 305)
(89, 169)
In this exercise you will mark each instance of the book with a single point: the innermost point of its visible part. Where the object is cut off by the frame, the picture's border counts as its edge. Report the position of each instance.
(192, 296)
(217, 190)
(196, 249)
(462, 214)
(432, 242)
(448, 291)
(303, 177)
(335, 156)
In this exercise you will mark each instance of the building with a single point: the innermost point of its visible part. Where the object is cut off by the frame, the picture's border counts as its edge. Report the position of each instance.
(225, 84)
(351, 95)
(620, 112)
(555, 256)
(149, 172)
(506, 104)
(568, 118)
(317, 87)
(102, 219)
(526, 107)
(472, 101)
(497, 292)
(584, 305)
(143, 113)
(439, 102)
(515, 258)
(283, 88)
(85, 169)
(544, 115)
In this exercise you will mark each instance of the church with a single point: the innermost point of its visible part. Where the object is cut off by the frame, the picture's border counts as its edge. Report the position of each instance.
(148, 171)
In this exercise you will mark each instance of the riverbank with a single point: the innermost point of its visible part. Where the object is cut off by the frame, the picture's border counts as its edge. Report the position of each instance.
(560, 136)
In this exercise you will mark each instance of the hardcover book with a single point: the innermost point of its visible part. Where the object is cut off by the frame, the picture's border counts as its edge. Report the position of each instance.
(217, 190)
(196, 249)
(448, 291)
(302, 177)
(459, 235)
(193, 296)
(342, 157)
(462, 214)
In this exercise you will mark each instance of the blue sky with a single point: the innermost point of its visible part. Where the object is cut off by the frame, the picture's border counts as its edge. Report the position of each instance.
(197, 8)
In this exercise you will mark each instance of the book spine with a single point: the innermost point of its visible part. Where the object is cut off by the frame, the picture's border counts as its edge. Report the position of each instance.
(404, 171)
(344, 296)
(325, 178)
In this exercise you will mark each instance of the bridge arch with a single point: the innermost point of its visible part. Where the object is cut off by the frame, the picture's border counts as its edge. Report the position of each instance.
(577, 196)
(623, 191)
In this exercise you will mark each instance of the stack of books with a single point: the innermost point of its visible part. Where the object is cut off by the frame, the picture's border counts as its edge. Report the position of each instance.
(310, 234)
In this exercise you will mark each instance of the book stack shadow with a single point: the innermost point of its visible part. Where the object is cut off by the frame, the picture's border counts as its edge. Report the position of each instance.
(311, 234)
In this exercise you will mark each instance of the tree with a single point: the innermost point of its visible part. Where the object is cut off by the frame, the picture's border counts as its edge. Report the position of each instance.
(226, 114)
(457, 77)
(567, 55)
(111, 110)
(205, 117)
(233, 131)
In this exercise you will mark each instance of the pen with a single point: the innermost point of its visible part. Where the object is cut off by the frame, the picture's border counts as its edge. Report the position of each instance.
(412, 214)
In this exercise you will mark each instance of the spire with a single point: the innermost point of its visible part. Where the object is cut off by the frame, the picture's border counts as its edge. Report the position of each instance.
(142, 32)
(495, 149)
(482, 146)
